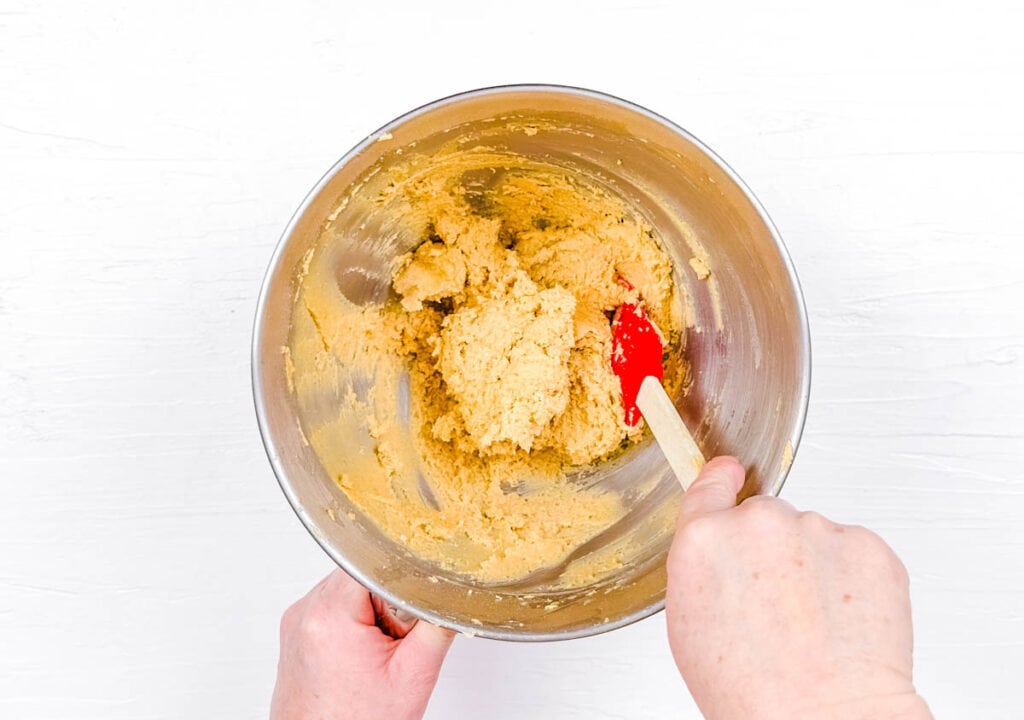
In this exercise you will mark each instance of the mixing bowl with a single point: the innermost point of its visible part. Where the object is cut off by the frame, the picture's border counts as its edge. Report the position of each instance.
(747, 346)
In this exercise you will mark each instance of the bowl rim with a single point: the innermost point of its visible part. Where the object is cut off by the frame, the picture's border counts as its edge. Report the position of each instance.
(275, 260)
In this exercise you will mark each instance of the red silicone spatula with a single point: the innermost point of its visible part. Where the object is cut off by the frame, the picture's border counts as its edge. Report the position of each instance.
(636, 358)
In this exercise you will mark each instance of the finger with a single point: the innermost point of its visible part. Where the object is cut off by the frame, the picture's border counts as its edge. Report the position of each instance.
(339, 593)
(714, 489)
(421, 652)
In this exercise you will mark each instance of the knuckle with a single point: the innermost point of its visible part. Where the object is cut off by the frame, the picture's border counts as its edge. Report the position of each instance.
(305, 621)
(763, 512)
(869, 539)
(881, 556)
(899, 572)
(817, 521)
(692, 543)
(698, 532)
(314, 622)
(290, 619)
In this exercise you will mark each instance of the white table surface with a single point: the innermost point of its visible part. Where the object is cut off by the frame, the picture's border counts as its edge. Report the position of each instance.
(150, 157)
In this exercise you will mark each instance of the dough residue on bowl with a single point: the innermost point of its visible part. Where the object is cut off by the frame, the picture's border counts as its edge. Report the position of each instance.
(472, 394)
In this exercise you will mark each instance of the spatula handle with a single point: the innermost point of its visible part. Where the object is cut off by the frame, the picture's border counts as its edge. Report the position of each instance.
(676, 442)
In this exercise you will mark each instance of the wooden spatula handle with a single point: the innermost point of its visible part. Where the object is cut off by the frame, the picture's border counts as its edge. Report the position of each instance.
(676, 442)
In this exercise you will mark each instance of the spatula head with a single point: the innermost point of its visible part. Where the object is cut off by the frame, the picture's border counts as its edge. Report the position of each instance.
(637, 349)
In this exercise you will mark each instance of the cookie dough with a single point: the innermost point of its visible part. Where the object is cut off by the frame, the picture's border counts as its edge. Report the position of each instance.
(505, 362)
(455, 414)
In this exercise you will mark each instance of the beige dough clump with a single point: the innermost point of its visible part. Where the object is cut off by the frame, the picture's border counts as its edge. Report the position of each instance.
(700, 268)
(505, 360)
(431, 273)
(501, 319)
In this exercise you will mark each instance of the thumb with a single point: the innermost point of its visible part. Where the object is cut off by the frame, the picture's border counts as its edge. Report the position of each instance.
(714, 489)
(420, 653)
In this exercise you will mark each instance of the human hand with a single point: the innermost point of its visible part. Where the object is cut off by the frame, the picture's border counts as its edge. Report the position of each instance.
(774, 613)
(337, 663)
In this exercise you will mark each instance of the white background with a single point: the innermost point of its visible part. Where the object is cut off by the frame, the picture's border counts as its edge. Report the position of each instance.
(150, 157)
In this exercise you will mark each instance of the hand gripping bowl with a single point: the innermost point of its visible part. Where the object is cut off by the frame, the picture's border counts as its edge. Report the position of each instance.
(748, 348)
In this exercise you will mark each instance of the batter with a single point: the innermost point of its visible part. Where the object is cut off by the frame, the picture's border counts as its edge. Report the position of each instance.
(497, 332)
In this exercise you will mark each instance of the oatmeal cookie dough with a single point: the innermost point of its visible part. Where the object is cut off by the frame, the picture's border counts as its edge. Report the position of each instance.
(498, 335)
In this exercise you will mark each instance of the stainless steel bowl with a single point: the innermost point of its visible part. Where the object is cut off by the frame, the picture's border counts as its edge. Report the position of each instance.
(749, 350)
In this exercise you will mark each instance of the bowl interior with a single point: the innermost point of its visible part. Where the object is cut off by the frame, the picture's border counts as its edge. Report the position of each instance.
(747, 346)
